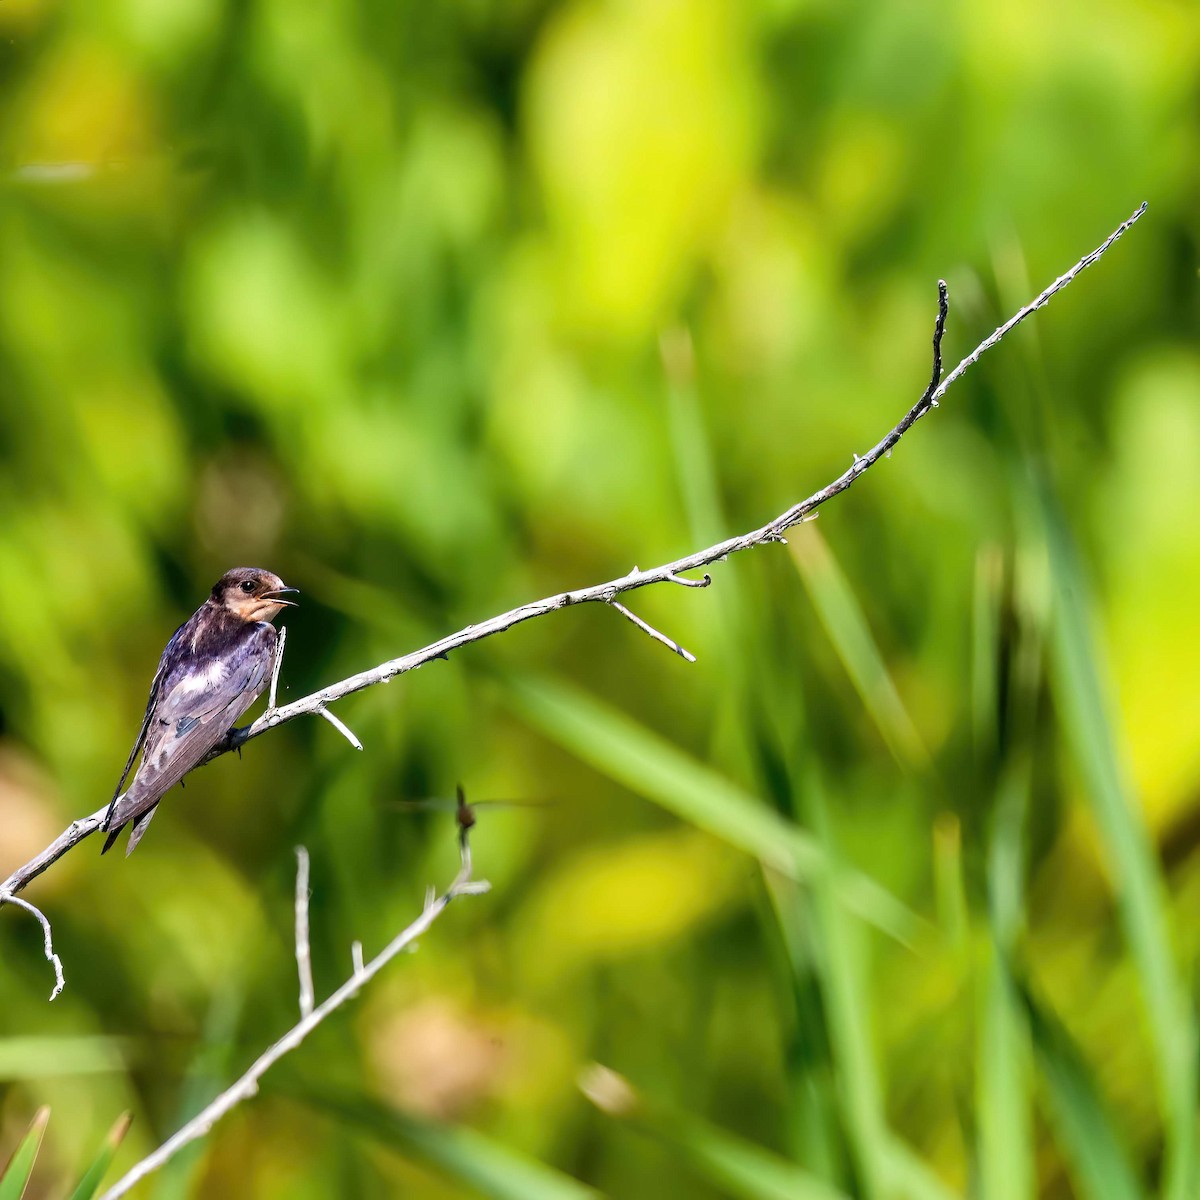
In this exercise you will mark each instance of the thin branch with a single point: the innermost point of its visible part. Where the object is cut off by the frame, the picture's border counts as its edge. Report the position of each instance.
(340, 726)
(679, 579)
(245, 1087)
(303, 954)
(645, 627)
(47, 939)
(603, 593)
(271, 706)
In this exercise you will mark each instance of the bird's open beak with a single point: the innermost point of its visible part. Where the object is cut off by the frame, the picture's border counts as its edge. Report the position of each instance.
(274, 596)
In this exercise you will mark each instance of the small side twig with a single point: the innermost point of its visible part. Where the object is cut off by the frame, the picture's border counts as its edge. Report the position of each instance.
(646, 627)
(341, 727)
(47, 939)
(246, 1086)
(272, 708)
(303, 953)
(275, 668)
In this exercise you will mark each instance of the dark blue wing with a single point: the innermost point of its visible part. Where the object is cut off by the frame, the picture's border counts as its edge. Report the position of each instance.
(199, 701)
(167, 655)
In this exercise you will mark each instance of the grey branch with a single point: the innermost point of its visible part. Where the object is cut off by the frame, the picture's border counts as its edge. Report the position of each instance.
(245, 1087)
(602, 593)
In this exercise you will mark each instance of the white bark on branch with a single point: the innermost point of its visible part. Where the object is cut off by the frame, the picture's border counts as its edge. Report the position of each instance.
(603, 593)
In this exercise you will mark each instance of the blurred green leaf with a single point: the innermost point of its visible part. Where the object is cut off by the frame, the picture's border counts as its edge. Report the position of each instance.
(19, 1170)
(736, 1166)
(89, 1185)
(1003, 1083)
(463, 1154)
(1092, 1142)
(1141, 895)
(42, 1057)
(909, 1176)
(840, 951)
(649, 765)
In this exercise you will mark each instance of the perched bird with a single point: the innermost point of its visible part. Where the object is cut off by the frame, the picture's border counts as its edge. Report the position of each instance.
(214, 667)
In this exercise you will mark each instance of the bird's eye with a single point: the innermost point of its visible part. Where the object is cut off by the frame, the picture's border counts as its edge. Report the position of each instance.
(247, 586)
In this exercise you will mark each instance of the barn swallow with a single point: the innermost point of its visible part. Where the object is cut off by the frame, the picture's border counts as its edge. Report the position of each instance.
(214, 667)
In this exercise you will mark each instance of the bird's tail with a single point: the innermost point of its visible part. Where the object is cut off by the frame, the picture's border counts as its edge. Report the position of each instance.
(140, 824)
(139, 827)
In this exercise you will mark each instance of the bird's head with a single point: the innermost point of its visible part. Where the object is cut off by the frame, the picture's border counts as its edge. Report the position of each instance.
(252, 594)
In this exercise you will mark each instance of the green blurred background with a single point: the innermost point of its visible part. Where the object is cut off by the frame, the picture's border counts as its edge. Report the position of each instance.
(437, 308)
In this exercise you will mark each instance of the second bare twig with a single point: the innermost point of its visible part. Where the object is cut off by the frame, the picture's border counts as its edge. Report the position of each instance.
(247, 1085)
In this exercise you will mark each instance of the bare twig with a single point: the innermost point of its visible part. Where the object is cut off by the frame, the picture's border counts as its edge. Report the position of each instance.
(604, 593)
(679, 579)
(340, 726)
(245, 1087)
(271, 705)
(303, 954)
(654, 633)
(270, 716)
(47, 939)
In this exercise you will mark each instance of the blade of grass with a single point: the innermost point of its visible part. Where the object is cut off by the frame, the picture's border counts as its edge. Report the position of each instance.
(89, 1185)
(463, 1154)
(815, 1136)
(1003, 1077)
(649, 765)
(886, 1164)
(736, 656)
(1090, 1140)
(20, 1167)
(843, 619)
(840, 950)
(736, 1166)
(1139, 886)
(949, 885)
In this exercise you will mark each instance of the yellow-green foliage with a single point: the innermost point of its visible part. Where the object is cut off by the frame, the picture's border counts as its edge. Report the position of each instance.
(434, 308)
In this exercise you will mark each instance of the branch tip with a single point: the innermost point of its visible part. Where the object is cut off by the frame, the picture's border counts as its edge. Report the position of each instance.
(691, 583)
